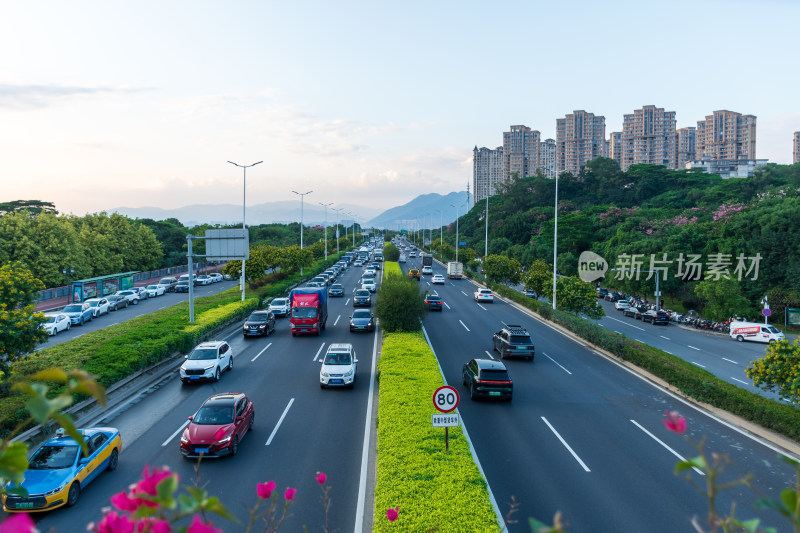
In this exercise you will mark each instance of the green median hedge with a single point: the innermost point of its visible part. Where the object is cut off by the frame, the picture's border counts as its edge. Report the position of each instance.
(114, 353)
(691, 380)
(434, 490)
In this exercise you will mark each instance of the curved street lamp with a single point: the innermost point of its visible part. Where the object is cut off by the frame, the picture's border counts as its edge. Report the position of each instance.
(244, 207)
(302, 196)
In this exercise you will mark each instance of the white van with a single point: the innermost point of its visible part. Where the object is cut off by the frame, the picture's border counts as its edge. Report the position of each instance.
(753, 331)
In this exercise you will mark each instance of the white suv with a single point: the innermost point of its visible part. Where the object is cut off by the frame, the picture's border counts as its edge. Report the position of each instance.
(280, 306)
(207, 361)
(338, 366)
(483, 295)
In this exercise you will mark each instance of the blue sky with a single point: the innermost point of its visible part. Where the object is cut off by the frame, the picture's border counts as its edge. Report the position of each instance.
(108, 103)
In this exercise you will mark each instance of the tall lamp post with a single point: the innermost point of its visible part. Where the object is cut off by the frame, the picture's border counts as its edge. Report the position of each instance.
(302, 196)
(555, 245)
(68, 272)
(457, 207)
(486, 241)
(326, 226)
(338, 210)
(244, 207)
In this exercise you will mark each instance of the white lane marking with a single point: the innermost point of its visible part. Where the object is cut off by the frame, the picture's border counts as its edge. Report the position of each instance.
(639, 340)
(464, 293)
(556, 362)
(365, 449)
(698, 364)
(728, 360)
(615, 331)
(347, 301)
(575, 455)
(482, 307)
(163, 307)
(740, 381)
(487, 353)
(337, 320)
(279, 422)
(669, 352)
(670, 450)
(262, 351)
(175, 434)
(445, 304)
(663, 337)
(321, 346)
(692, 347)
(626, 323)
(465, 326)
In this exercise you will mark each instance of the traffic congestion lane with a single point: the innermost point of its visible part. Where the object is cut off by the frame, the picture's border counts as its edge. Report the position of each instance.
(321, 430)
(132, 311)
(591, 403)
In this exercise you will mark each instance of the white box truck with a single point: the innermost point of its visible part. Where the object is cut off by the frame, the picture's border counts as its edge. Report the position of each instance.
(455, 270)
(753, 331)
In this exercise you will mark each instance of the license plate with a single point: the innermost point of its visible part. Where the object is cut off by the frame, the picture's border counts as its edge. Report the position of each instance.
(336, 381)
(194, 377)
(24, 505)
(201, 450)
(494, 393)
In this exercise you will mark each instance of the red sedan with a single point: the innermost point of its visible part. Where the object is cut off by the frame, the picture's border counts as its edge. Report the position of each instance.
(218, 427)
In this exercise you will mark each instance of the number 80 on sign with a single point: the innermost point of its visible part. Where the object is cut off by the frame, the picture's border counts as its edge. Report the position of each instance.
(445, 399)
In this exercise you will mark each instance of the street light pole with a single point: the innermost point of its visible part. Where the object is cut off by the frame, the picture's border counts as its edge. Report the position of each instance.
(457, 207)
(338, 210)
(302, 196)
(486, 241)
(326, 226)
(244, 209)
(555, 246)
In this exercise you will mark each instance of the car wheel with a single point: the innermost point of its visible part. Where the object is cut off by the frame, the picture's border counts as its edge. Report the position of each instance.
(230, 364)
(321, 385)
(136, 302)
(472, 392)
(69, 325)
(235, 445)
(740, 338)
(184, 381)
(81, 321)
(55, 332)
(73, 494)
(252, 420)
(113, 461)
(216, 375)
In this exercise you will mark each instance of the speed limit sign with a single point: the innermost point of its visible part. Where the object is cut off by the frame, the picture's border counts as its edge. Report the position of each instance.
(445, 399)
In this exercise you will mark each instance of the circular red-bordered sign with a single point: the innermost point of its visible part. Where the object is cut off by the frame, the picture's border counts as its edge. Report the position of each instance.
(445, 399)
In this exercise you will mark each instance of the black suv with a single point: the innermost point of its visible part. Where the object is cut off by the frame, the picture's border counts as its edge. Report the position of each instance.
(601, 292)
(260, 323)
(513, 341)
(487, 378)
(656, 318)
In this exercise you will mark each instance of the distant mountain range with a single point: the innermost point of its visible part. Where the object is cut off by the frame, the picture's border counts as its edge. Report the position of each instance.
(430, 207)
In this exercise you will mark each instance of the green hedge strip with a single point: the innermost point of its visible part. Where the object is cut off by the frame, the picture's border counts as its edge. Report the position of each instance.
(434, 490)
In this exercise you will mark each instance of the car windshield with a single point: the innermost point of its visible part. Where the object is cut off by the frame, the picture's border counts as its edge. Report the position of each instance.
(152, 286)
(51, 319)
(336, 287)
(53, 457)
(495, 375)
(203, 354)
(337, 359)
(279, 302)
(362, 293)
(258, 317)
(304, 312)
(94, 303)
(216, 415)
(772, 329)
(362, 313)
(73, 309)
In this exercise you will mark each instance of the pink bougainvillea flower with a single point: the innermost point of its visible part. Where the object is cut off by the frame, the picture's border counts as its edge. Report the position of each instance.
(113, 522)
(151, 479)
(123, 502)
(392, 514)
(197, 526)
(321, 478)
(153, 525)
(289, 494)
(18, 523)
(675, 422)
(264, 490)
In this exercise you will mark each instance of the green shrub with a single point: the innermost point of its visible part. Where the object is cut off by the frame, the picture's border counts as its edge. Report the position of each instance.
(435, 490)
(400, 305)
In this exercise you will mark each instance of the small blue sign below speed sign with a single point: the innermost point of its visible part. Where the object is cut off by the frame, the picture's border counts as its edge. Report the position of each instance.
(445, 399)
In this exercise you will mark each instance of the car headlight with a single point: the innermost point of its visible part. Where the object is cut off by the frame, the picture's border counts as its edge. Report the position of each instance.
(184, 439)
(324, 374)
(225, 440)
(55, 491)
(209, 367)
(348, 373)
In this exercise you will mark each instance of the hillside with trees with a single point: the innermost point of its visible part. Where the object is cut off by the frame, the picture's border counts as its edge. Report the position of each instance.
(723, 227)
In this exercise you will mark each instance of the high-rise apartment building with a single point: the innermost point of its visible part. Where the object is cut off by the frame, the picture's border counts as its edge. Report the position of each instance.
(520, 152)
(796, 152)
(580, 137)
(726, 136)
(649, 137)
(687, 145)
(615, 146)
(547, 158)
(487, 171)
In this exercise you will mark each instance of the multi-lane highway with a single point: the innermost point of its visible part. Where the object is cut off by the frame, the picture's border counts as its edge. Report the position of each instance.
(584, 435)
(299, 430)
